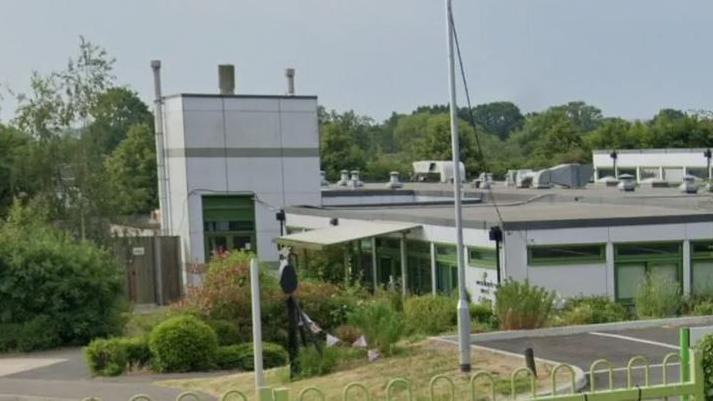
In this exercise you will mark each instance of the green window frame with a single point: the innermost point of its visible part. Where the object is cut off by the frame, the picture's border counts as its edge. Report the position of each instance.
(482, 257)
(566, 254)
(702, 267)
(228, 222)
(635, 260)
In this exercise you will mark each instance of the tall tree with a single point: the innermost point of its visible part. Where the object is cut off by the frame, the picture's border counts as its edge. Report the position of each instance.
(114, 112)
(498, 118)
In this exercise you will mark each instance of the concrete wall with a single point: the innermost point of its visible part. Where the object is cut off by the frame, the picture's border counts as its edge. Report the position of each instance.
(222, 145)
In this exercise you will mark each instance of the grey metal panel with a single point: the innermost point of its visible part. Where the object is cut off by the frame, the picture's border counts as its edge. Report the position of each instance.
(244, 152)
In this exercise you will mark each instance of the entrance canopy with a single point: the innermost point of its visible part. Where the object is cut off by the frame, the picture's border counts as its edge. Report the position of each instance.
(335, 235)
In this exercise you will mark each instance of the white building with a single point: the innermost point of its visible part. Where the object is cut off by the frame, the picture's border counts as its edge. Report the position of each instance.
(233, 162)
(661, 164)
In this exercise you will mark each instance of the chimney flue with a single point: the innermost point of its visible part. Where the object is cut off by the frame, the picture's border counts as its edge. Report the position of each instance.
(226, 79)
(290, 74)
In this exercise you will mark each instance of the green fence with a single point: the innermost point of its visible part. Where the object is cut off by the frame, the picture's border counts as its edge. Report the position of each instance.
(442, 387)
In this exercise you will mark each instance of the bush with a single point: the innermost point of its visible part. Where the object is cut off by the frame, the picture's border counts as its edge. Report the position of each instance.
(347, 334)
(38, 334)
(112, 357)
(520, 305)
(183, 344)
(226, 331)
(225, 295)
(590, 310)
(311, 363)
(45, 272)
(8, 336)
(658, 297)
(706, 348)
(241, 356)
(327, 304)
(702, 308)
(482, 314)
(430, 315)
(380, 323)
(106, 357)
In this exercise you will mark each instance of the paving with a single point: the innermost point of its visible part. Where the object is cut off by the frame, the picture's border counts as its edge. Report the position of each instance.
(617, 346)
(63, 375)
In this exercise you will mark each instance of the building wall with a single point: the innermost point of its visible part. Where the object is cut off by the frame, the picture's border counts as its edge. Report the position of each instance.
(232, 145)
(671, 163)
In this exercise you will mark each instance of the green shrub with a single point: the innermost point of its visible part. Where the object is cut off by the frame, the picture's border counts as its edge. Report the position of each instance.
(313, 363)
(658, 297)
(520, 305)
(141, 324)
(325, 303)
(590, 310)
(702, 308)
(183, 344)
(706, 348)
(226, 331)
(430, 315)
(380, 323)
(8, 336)
(106, 357)
(241, 356)
(482, 314)
(112, 357)
(347, 334)
(38, 334)
(45, 272)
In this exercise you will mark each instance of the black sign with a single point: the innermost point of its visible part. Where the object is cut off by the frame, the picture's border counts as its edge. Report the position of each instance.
(288, 279)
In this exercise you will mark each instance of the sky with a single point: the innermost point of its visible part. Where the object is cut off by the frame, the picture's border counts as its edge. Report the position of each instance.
(628, 57)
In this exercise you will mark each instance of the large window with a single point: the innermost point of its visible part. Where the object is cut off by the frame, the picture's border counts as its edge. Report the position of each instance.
(446, 268)
(482, 257)
(228, 224)
(635, 261)
(702, 267)
(565, 254)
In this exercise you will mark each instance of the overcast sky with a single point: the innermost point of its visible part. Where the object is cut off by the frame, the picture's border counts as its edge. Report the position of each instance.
(628, 57)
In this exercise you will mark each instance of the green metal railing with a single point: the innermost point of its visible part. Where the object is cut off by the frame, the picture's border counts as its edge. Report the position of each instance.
(691, 363)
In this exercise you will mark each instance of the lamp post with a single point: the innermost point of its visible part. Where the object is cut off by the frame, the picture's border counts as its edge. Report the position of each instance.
(462, 308)
(707, 154)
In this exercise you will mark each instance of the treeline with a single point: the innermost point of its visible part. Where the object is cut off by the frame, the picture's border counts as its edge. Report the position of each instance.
(497, 136)
(79, 150)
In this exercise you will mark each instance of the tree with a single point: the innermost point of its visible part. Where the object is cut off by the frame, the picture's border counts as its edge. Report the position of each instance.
(584, 117)
(131, 171)
(114, 112)
(498, 118)
(343, 140)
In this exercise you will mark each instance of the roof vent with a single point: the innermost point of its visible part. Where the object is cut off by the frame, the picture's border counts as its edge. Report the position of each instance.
(343, 178)
(394, 182)
(290, 74)
(323, 178)
(355, 182)
(226, 79)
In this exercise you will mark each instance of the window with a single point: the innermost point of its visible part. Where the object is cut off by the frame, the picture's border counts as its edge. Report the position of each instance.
(482, 257)
(565, 254)
(702, 267)
(648, 249)
(228, 224)
(635, 261)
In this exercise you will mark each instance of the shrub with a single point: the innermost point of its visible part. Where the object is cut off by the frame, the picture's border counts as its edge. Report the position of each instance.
(380, 323)
(520, 305)
(595, 309)
(430, 315)
(38, 334)
(226, 331)
(111, 357)
(347, 334)
(45, 272)
(241, 356)
(658, 297)
(706, 348)
(225, 295)
(183, 344)
(702, 308)
(106, 357)
(327, 304)
(482, 314)
(8, 336)
(312, 363)
(141, 324)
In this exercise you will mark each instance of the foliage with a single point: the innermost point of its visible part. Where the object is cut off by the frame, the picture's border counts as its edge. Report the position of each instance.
(381, 324)
(225, 295)
(226, 331)
(242, 357)
(658, 297)
(43, 272)
(706, 348)
(327, 304)
(594, 309)
(183, 344)
(131, 172)
(521, 305)
(141, 324)
(112, 357)
(429, 314)
(702, 308)
(315, 363)
(482, 313)
(37, 334)
(347, 333)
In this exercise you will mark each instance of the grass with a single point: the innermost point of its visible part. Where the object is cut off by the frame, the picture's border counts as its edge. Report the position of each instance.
(417, 363)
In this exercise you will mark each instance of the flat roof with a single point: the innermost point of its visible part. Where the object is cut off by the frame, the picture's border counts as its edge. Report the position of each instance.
(340, 234)
(530, 208)
(240, 96)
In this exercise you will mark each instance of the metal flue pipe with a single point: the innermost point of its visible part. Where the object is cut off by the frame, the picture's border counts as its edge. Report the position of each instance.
(160, 149)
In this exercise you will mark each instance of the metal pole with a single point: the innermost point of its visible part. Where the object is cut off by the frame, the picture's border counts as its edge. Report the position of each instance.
(373, 264)
(463, 311)
(685, 355)
(257, 325)
(160, 158)
(404, 274)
